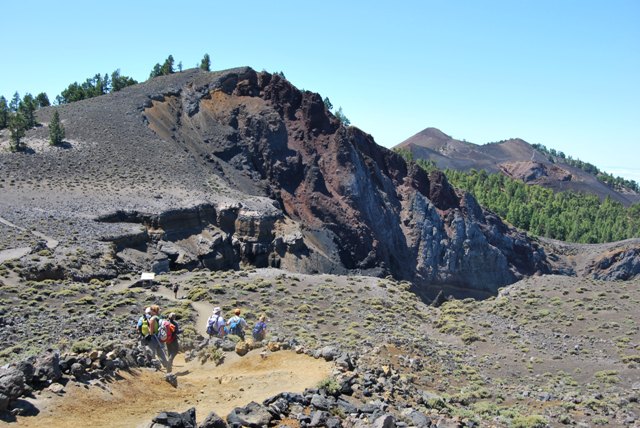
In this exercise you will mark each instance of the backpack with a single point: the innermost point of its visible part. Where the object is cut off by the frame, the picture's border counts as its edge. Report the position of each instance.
(211, 326)
(166, 331)
(258, 330)
(235, 326)
(143, 326)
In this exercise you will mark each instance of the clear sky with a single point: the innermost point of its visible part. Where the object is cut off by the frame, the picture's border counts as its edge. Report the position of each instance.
(563, 73)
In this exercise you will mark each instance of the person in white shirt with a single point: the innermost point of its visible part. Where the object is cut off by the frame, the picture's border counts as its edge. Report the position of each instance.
(215, 324)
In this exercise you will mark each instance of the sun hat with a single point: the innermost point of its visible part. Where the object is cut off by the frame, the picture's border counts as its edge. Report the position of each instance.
(216, 310)
(147, 311)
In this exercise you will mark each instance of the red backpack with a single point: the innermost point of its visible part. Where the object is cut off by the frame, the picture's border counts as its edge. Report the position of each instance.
(166, 331)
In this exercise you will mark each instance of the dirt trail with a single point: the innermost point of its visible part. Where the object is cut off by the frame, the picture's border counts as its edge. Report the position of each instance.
(202, 309)
(134, 400)
(51, 243)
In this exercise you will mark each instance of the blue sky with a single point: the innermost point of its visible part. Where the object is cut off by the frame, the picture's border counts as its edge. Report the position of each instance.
(565, 74)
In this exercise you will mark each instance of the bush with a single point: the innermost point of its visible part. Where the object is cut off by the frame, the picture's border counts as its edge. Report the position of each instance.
(533, 421)
(330, 385)
(81, 346)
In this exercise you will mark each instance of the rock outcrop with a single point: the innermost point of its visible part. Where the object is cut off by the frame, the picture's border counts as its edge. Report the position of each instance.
(614, 261)
(221, 170)
(355, 201)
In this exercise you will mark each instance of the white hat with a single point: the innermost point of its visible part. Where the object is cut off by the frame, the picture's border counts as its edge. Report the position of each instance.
(147, 311)
(216, 310)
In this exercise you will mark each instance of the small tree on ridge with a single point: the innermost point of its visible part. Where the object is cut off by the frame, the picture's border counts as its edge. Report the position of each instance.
(56, 130)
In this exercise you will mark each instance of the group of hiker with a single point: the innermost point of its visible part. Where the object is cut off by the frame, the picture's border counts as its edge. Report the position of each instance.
(217, 327)
(160, 334)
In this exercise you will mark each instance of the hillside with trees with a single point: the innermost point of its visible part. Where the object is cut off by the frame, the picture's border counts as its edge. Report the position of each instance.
(567, 216)
(611, 180)
(19, 114)
(532, 164)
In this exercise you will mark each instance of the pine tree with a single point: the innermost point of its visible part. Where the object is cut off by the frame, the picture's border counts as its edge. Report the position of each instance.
(119, 82)
(157, 71)
(15, 102)
(4, 112)
(205, 64)
(327, 103)
(17, 132)
(27, 109)
(56, 130)
(167, 67)
(341, 116)
(42, 100)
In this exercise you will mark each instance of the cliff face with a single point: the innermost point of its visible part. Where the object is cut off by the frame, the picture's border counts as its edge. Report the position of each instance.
(379, 214)
(238, 168)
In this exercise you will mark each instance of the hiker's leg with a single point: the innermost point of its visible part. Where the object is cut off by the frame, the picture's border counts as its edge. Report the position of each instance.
(172, 349)
(157, 347)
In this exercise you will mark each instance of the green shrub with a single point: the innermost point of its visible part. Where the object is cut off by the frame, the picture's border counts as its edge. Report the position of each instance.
(197, 294)
(81, 346)
(330, 385)
(532, 421)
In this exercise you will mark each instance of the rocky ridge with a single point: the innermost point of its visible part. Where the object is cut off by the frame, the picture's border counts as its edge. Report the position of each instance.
(234, 168)
(513, 157)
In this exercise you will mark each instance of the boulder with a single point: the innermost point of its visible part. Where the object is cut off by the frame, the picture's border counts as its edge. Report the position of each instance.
(384, 421)
(227, 345)
(345, 362)
(47, 368)
(56, 388)
(213, 421)
(319, 418)
(27, 369)
(321, 402)
(12, 386)
(417, 418)
(329, 353)
(242, 348)
(278, 407)
(175, 419)
(273, 346)
(252, 415)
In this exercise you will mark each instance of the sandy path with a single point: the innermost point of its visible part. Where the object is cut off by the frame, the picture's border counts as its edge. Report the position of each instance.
(203, 309)
(14, 253)
(51, 243)
(136, 399)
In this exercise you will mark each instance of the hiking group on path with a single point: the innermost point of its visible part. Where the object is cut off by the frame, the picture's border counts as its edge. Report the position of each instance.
(160, 334)
(156, 332)
(217, 327)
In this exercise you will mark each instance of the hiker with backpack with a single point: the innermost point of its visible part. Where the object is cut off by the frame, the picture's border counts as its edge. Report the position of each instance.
(259, 331)
(149, 327)
(170, 325)
(236, 324)
(143, 324)
(215, 324)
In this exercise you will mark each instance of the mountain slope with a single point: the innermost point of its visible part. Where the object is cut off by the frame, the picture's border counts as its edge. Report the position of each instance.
(234, 168)
(515, 158)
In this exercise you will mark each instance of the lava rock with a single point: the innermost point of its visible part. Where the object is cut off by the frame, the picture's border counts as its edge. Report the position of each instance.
(175, 419)
(252, 415)
(213, 421)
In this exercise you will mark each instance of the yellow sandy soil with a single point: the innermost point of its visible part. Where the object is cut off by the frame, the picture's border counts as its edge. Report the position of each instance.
(134, 400)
